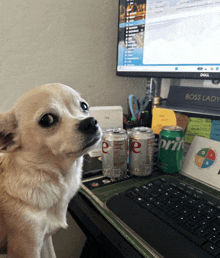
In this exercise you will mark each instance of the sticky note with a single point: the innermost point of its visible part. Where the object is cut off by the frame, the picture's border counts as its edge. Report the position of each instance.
(215, 130)
(198, 126)
(215, 137)
(216, 123)
(162, 117)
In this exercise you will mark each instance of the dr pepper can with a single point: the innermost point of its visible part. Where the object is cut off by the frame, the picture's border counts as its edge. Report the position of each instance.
(171, 143)
(141, 151)
(114, 153)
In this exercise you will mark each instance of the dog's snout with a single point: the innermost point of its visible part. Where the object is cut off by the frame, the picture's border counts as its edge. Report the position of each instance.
(88, 125)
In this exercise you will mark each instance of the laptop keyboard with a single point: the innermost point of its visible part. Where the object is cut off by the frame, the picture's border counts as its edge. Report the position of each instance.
(191, 212)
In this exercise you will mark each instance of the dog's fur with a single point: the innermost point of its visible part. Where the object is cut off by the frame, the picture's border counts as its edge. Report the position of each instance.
(40, 167)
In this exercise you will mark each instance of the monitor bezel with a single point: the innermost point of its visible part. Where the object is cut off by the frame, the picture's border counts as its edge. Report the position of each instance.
(171, 75)
(201, 75)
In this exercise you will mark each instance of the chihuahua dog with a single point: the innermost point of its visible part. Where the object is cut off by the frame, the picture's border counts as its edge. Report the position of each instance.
(42, 141)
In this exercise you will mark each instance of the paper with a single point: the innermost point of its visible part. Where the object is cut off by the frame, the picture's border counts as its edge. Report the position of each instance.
(198, 126)
(215, 131)
(182, 120)
(202, 161)
(161, 118)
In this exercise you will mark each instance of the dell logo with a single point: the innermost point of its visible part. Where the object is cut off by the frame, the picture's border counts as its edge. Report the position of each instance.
(204, 74)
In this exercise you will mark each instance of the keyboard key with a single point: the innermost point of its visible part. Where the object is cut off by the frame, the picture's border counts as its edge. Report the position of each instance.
(191, 225)
(162, 198)
(131, 194)
(169, 188)
(189, 192)
(217, 218)
(212, 211)
(177, 193)
(184, 197)
(204, 223)
(181, 202)
(145, 190)
(157, 204)
(181, 188)
(181, 219)
(170, 202)
(199, 192)
(194, 217)
(165, 208)
(176, 206)
(147, 205)
(217, 243)
(211, 204)
(202, 207)
(202, 231)
(151, 199)
(173, 213)
(196, 196)
(139, 200)
(213, 238)
(191, 203)
(136, 190)
(209, 217)
(190, 188)
(186, 211)
(167, 194)
(197, 213)
(215, 228)
(211, 248)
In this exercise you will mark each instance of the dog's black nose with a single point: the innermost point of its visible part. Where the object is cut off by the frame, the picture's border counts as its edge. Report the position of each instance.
(88, 125)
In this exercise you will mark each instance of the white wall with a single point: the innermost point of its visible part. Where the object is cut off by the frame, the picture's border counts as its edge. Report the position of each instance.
(69, 41)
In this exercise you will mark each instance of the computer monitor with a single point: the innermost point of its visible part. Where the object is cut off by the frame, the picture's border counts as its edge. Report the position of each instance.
(169, 39)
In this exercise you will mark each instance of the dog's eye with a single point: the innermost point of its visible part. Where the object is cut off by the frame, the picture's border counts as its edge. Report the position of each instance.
(48, 120)
(84, 106)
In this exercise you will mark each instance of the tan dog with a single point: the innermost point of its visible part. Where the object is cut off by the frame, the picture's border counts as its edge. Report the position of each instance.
(43, 138)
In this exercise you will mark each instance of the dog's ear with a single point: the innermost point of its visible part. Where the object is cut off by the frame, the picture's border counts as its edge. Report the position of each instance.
(9, 139)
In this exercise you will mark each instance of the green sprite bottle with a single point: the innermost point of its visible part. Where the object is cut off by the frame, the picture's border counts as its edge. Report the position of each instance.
(171, 143)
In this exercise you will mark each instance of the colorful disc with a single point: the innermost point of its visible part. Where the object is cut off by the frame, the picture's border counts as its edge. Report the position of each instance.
(205, 158)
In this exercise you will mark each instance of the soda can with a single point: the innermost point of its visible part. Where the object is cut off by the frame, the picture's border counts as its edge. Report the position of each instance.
(171, 144)
(129, 133)
(114, 153)
(141, 151)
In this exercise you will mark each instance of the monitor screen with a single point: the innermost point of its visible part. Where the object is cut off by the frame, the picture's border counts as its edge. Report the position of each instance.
(169, 39)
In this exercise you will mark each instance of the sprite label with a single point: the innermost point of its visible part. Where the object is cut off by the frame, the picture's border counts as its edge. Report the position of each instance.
(171, 143)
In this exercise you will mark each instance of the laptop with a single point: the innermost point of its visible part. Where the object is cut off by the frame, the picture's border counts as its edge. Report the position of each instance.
(166, 215)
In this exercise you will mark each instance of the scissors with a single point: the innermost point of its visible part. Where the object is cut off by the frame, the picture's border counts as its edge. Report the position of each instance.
(137, 105)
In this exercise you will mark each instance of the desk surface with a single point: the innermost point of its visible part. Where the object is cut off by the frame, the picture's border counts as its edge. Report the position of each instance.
(91, 214)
